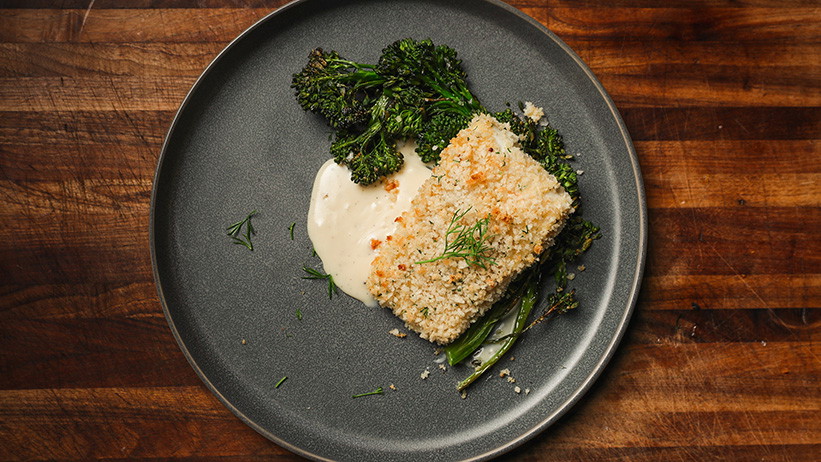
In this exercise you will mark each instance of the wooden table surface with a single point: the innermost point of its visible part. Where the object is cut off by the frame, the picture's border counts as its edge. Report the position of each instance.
(720, 361)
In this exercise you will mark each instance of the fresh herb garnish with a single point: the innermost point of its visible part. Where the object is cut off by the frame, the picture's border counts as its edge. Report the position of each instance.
(315, 274)
(243, 239)
(467, 242)
(299, 314)
(280, 381)
(291, 230)
(378, 391)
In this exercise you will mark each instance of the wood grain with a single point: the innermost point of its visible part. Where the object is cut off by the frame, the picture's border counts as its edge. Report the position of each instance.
(721, 359)
(39, 130)
(719, 87)
(694, 24)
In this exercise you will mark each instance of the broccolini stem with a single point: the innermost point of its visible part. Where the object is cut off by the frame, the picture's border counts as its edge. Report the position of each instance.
(459, 100)
(467, 343)
(529, 299)
(350, 63)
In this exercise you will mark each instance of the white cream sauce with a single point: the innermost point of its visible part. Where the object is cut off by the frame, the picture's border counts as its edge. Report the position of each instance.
(493, 343)
(345, 219)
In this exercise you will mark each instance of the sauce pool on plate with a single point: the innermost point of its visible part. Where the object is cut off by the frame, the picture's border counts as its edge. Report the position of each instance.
(347, 222)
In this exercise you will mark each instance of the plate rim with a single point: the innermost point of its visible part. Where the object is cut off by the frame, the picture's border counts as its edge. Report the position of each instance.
(609, 350)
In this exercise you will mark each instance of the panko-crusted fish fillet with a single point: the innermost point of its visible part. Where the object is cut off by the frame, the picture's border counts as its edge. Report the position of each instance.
(482, 174)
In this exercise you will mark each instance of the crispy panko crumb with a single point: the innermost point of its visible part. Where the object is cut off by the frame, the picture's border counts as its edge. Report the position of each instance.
(535, 113)
(392, 186)
(397, 333)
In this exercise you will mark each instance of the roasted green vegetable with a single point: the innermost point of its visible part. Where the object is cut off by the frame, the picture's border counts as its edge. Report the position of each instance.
(417, 90)
(525, 305)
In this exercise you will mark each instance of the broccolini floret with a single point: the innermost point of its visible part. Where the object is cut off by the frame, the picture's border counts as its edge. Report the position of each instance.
(440, 129)
(416, 91)
(338, 89)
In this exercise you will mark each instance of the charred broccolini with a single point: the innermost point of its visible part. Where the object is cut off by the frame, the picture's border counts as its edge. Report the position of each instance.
(419, 91)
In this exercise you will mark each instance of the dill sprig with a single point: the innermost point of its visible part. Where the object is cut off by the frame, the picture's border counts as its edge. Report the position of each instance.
(242, 239)
(316, 274)
(467, 242)
(378, 391)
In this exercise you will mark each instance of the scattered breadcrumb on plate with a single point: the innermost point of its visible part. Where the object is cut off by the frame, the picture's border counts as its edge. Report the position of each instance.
(397, 333)
(533, 112)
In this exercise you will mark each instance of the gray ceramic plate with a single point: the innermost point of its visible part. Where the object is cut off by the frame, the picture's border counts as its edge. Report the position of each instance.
(240, 142)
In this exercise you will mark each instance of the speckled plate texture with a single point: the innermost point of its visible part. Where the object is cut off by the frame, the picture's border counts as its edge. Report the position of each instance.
(240, 142)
